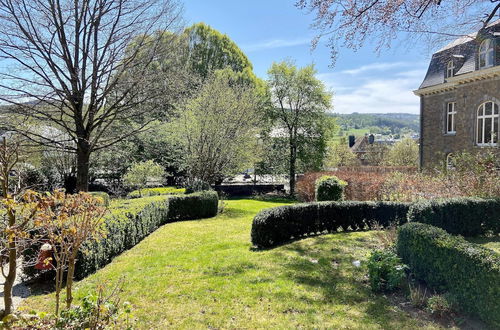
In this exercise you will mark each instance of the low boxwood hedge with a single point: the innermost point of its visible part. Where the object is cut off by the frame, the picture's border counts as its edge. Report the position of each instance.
(280, 224)
(198, 205)
(102, 195)
(146, 192)
(329, 188)
(469, 272)
(459, 216)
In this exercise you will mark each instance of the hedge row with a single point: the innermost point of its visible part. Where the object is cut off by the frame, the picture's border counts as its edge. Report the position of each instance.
(459, 216)
(146, 192)
(467, 217)
(130, 221)
(280, 224)
(467, 271)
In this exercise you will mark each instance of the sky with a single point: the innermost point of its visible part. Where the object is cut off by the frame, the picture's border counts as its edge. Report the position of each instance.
(273, 30)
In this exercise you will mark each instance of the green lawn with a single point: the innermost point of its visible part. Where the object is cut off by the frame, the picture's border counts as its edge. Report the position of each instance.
(204, 274)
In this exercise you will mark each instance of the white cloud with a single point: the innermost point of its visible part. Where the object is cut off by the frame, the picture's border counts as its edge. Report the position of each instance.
(275, 43)
(375, 91)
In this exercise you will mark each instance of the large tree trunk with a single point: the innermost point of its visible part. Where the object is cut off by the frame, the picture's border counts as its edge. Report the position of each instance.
(82, 165)
(293, 160)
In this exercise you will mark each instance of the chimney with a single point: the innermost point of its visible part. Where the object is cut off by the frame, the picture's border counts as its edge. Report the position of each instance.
(371, 138)
(352, 140)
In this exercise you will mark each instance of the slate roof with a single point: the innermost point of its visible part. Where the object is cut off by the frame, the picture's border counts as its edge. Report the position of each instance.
(463, 51)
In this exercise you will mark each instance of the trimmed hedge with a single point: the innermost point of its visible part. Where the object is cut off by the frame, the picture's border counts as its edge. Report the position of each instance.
(459, 216)
(280, 224)
(198, 205)
(329, 188)
(469, 272)
(159, 191)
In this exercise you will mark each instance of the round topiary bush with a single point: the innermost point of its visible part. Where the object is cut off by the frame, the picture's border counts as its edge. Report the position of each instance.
(330, 188)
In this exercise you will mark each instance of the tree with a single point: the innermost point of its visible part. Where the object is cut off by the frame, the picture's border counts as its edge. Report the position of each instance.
(354, 22)
(140, 174)
(218, 128)
(70, 68)
(299, 104)
(18, 209)
(339, 154)
(208, 50)
(403, 153)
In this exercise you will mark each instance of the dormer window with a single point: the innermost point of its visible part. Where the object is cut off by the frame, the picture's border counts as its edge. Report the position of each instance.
(486, 54)
(450, 69)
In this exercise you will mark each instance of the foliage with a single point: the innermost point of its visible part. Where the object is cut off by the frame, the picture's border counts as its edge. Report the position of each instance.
(193, 206)
(392, 123)
(156, 192)
(438, 305)
(329, 188)
(278, 225)
(310, 283)
(472, 175)
(300, 101)
(196, 185)
(417, 295)
(459, 216)
(66, 223)
(142, 173)
(385, 270)
(361, 185)
(339, 154)
(403, 153)
(467, 271)
(218, 128)
(102, 196)
(96, 311)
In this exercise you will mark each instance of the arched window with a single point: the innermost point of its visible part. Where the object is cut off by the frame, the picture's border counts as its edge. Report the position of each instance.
(486, 52)
(487, 124)
(450, 69)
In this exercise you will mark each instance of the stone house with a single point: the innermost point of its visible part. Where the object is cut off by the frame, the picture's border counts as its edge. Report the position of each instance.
(460, 98)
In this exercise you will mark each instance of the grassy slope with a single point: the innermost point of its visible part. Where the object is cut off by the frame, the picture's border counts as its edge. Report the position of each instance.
(492, 243)
(199, 274)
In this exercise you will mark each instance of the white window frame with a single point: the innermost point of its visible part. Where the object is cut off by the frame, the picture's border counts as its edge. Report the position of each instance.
(450, 69)
(494, 118)
(451, 113)
(485, 51)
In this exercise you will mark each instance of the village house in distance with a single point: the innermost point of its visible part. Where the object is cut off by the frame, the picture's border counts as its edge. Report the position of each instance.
(460, 98)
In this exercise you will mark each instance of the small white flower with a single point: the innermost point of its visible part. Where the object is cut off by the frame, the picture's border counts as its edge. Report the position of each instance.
(356, 263)
(46, 247)
(314, 261)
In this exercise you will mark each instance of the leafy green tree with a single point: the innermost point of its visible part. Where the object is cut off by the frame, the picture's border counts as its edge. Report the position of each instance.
(403, 153)
(140, 174)
(218, 128)
(300, 101)
(339, 154)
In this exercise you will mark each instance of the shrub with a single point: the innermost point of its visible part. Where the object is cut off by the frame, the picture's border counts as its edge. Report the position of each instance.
(102, 195)
(193, 206)
(385, 270)
(329, 188)
(159, 191)
(196, 185)
(438, 305)
(280, 224)
(468, 272)
(459, 216)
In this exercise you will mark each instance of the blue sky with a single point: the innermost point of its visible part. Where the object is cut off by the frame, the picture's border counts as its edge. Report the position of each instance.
(272, 30)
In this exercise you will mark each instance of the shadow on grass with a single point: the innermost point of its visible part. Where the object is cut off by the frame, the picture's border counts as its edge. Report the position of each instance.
(326, 267)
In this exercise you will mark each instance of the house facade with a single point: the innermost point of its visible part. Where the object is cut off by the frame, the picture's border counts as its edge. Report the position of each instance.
(460, 99)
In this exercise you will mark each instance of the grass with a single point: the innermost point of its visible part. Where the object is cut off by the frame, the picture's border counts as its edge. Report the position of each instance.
(204, 274)
(489, 242)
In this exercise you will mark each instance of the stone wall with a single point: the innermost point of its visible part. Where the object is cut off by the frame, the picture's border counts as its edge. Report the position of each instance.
(435, 143)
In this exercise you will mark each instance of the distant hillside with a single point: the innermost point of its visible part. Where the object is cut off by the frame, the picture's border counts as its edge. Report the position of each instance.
(399, 124)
